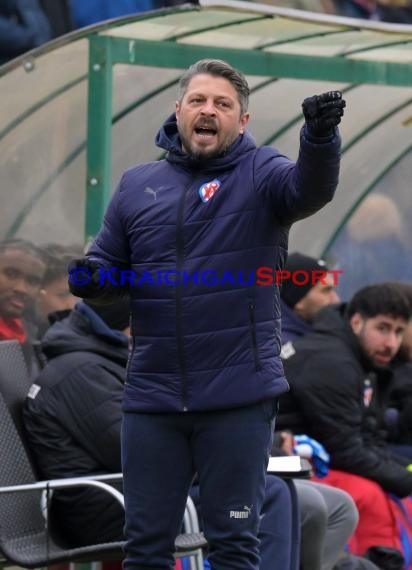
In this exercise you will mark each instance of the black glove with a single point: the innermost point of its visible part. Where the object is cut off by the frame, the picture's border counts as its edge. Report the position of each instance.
(84, 278)
(323, 113)
(386, 557)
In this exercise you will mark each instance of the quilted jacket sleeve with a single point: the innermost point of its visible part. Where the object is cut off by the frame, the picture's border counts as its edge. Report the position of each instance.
(297, 190)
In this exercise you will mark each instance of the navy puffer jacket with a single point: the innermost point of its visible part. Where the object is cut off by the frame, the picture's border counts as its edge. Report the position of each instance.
(209, 338)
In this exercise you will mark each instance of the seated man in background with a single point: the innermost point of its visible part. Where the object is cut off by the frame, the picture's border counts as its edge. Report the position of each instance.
(55, 294)
(327, 514)
(22, 268)
(72, 417)
(335, 373)
(300, 303)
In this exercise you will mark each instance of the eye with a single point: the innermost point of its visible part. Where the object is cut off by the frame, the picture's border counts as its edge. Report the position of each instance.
(33, 281)
(11, 273)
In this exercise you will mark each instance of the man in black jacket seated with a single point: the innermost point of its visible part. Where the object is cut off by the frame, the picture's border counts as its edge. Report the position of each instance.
(335, 392)
(72, 417)
(300, 301)
(337, 374)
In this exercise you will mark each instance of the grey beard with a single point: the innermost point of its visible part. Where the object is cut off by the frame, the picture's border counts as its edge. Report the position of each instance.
(200, 157)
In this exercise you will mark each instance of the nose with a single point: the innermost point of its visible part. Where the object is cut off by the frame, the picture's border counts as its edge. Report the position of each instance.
(208, 108)
(21, 286)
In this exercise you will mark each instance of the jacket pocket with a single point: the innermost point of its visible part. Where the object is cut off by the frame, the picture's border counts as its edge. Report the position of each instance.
(252, 328)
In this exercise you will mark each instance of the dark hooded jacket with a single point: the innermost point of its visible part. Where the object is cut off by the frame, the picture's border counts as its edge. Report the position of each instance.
(23, 26)
(335, 398)
(398, 403)
(210, 340)
(72, 416)
(293, 326)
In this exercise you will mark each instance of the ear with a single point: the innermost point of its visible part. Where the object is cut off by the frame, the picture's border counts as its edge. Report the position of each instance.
(299, 305)
(244, 119)
(356, 322)
(177, 109)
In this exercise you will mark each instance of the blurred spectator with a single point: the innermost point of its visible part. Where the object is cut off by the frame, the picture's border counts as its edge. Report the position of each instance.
(55, 294)
(22, 268)
(372, 247)
(92, 11)
(23, 26)
(300, 302)
(399, 11)
(356, 8)
(59, 14)
(326, 6)
(396, 11)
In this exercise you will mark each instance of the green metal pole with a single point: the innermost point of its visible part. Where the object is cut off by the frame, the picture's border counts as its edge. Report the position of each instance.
(99, 125)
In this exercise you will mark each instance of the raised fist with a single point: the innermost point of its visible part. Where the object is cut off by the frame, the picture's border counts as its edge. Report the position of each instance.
(84, 278)
(323, 113)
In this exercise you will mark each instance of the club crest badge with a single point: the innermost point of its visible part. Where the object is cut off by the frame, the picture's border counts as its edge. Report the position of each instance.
(209, 189)
(367, 393)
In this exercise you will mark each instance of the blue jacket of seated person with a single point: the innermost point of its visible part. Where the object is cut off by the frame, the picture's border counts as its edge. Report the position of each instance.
(23, 26)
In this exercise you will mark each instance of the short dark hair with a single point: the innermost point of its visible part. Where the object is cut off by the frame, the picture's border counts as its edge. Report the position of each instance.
(58, 258)
(24, 246)
(379, 299)
(218, 68)
(405, 289)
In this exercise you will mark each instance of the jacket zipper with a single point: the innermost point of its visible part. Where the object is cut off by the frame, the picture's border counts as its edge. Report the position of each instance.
(180, 252)
(130, 355)
(253, 334)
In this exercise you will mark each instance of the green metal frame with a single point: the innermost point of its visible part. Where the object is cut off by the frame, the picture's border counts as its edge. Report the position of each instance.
(18, 221)
(99, 127)
(106, 51)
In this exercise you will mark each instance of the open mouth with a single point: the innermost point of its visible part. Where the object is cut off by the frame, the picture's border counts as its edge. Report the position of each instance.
(206, 131)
